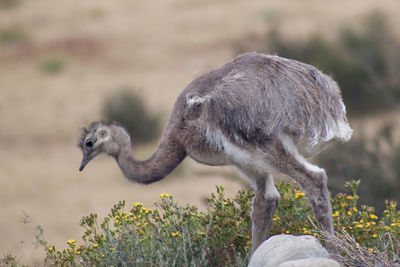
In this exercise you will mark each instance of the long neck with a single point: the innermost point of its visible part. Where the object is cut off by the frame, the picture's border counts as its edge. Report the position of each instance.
(164, 160)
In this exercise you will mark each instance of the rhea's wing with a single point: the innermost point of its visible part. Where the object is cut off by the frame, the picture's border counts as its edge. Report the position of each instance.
(256, 103)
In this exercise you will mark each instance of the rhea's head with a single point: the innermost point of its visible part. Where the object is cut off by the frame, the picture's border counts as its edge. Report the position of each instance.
(101, 138)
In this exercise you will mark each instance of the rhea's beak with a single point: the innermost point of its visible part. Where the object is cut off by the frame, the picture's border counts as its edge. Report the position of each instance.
(85, 161)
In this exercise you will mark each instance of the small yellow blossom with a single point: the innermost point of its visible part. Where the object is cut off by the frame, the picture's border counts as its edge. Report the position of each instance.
(359, 226)
(137, 204)
(371, 250)
(51, 249)
(349, 197)
(164, 195)
(374, 235)
(373, 216)
(176, 234)
(349, 213)
(71, 241)
(335, 214)
(112, 249)
(95, 245)
(102, 255)
(299, 194)
(355, 209)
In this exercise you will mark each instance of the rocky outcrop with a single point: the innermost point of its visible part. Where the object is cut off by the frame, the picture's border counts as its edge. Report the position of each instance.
(291, 251)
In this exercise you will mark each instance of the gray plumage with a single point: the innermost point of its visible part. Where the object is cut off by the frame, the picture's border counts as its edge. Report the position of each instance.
(260, 113)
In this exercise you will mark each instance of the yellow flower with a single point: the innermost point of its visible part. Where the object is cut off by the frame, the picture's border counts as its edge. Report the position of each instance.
(355, 209)
(164, 195)
(359, 226)
(299, 194)
(95, 245)
(335, 214)
(176, 234)
(51, 249)
(343, 204)
(349, 197)
(349, 213)
(137, 204)
(102, 255)
(112, 249)
(374, 235)
(371, 250)
(373, 216)
(71, 243)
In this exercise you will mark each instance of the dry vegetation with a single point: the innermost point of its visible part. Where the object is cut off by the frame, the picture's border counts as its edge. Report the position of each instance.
(59, 59)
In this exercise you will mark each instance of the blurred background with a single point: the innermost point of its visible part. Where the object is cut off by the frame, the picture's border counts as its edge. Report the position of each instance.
(66, 63)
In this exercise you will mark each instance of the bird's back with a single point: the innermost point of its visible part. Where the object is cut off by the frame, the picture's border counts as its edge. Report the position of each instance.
(256, 97)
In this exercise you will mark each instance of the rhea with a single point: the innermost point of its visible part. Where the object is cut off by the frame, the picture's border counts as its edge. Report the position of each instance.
(263, 114)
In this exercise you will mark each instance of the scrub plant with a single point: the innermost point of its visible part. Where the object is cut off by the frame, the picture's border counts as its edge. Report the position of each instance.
(173, 235)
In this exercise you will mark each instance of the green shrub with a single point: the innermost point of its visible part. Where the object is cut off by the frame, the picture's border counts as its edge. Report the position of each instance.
(376, 162)
(13, 35)
(128, 109)
(52, 65)
(172, 235)
(365, 63)
(8, 4)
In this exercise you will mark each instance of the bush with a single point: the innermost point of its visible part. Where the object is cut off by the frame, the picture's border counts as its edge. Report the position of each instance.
(13, 35)
(172, 235)
(52, 65)
(365, 63)
(128, 109)
(9, 4)
(376, 162)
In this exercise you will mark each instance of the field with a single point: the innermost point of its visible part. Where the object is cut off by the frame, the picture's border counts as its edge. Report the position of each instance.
(59, 60)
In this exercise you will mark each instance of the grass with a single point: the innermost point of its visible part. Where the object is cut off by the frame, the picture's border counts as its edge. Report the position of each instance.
(174, 235)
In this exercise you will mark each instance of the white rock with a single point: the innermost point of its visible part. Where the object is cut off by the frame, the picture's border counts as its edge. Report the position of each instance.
(289, 250)
(317, 262)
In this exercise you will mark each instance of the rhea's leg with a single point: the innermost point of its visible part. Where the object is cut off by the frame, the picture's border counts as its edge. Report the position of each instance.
(312, 180)
(265, 202)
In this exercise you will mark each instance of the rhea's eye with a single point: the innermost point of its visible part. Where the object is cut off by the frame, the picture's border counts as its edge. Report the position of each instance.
(89, 144)
(103, 134)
